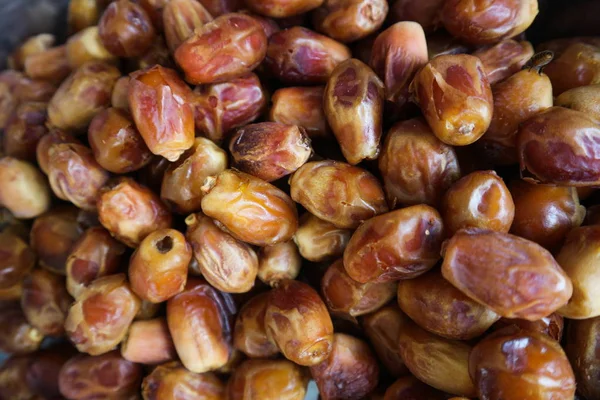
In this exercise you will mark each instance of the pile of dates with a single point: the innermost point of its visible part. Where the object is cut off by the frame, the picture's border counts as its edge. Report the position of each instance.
(227, 199)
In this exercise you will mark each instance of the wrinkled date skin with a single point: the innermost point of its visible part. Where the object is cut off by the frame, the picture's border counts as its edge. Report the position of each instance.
(16, 259)
(95, 254)
(455, 97)
(42, 151)
(297, 321)
(383, 329)
(545, 214)
(117, 145)
(25, 192)
(319, 240)
(158, 100)
(486, 22)
(425, 170)
(182, 182)
(200, 322)
(251, 209)
(99, 319)
(559, 146)
(75, 175)
(350, 20)
(282, 9)
(82, 95)
(439, 362)
(397, 54)
(478, 200)
(437, 306)
(278, 262)
(584, 98)
(225, 48)
(250, 335)
(51, 65)
(401, 244)
(17, 335)
(353, 103)
(351, 371)
(581, 346)
(512, 276)
(578, 65)
(504, 59)
(269, 150)
(181, 18)
(45, 301)
(516, 99)
(339, 193)
(225, 262)
(410, 388)
(24, 129)
(130, 211)
(301, 56)
(551, 325)
(511, 362)
(170, 381)
(349, 299)
(267, 380)
(107, 376)
(301, 106)
(221, 107)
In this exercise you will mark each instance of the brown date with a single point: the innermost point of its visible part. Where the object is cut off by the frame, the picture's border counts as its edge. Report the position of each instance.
(82, 95)
(291, 308)
(301, 56)
(584, 98)
(425, 12)
(351, 20)
(157, 54)
(346, 298)
(158, 267)
(50, 65)
(120, 94)
(301, 106)
(45, 301)
(551, 325)
(83, 13)
(410, 388)
(278, 262)
(426, 170)
(455, 97)
(545, 213)
(53, 235)
(227, 47)
(99, 319)
(25, 192)
(148, 342)
(504, 59)
(581, 347)
(126, 29)
(219, 7)
(383, 329)
(337, 192)
(182, 182)
(42, 151)
(350, 371)
(181, 18)
(282, 9)
(401, 244)
(221, 107)
(27, 89)
(17, 335)
(267, 380)
(33, 45)
(251, 209)
(172, 380)
(200, 322)
(558, 146)
(353, 103)
(130, 211)
(24, 129)
(478, 200)
(269, 150)
(397, 54)
(44, 369)
(16, 259)
(108, 376)
(511, 362)
(8, 103)
(13, 373)
(577, 65)
(514, 277)
(116, 144)
(87, 46)
(437, 306)
(319, 240)
(488, 22)
(250, 335)
(75, 175)
(158, 100)
(13, 293)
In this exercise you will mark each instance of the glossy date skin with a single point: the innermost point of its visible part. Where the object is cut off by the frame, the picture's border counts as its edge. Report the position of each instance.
(223, 49)
(250, 335)
(301, 106)
(319, 240)
(267, 380)
(348, 21)
(566, 153)
(581, 347)
(337, 192)
(42, 151)
(543, 370)
(574, 66)
(353, 103)
(552, 325)
(514, 277)
(504, 59)
(401, 244)
(170, 380)
(24, 129)
(126, 29)
(181, 18)
(278, 262)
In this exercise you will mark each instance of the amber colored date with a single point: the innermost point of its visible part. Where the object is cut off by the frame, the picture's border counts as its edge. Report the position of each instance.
(348, 21)
(34, 45)
(581, 347)
(584, 98)
(514, 277)
(504, 59)
(319, 240)
(251, 209)
(278, 262)
(17, 335)
(25, 192)
(397, 245)
(551, 325)
(51, 65)
(250, 335)
(83, 13)
(542, 370)
(126, 29)
(181, 18)
(227, 47)
(24, 129)
(301, 106)
(16, 259)
(168, 381)
(148, 342)
(410, 388)
(574, 66)
(282, 9)
(353, 103)
(267, 380)
(337, 192)
(87, 46)
(42, 151)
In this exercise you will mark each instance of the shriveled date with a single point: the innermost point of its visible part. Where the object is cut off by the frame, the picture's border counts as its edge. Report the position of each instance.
(512, 276)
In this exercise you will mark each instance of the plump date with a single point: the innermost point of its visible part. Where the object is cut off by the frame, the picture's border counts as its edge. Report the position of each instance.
(126, 29)
(24, 129)
(25, 192)
(350, 20)
(581, 346)
(504, 59)
(319, 240)
(168, 381)
(181, 18)
(250, 335)
(301, 106)
(268, 379)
